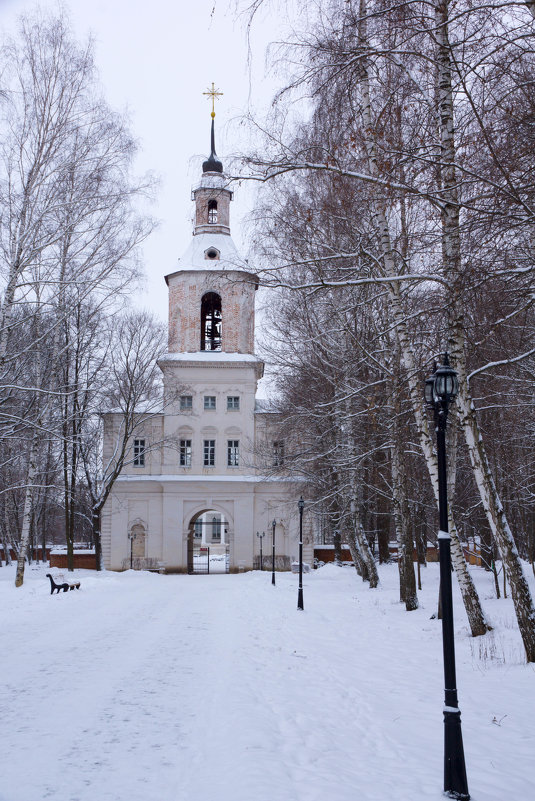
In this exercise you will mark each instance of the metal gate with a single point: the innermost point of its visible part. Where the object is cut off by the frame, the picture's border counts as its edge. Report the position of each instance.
(205, 560)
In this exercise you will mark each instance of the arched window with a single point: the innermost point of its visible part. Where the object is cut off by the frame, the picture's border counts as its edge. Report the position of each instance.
(212, 212)
(211, 322)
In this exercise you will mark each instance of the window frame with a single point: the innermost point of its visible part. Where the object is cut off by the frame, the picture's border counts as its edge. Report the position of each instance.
(210, 407)
(139, 450)
(233, 453)
(231, 405)
(184, 406)
(278, 452)
(216, 529)
(185, 453)
(208, 452)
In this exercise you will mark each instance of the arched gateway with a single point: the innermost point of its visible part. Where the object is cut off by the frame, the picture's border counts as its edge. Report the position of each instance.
(208, 543)
(213, 458)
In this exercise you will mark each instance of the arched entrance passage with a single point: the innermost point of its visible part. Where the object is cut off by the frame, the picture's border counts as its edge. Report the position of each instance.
(208, 543)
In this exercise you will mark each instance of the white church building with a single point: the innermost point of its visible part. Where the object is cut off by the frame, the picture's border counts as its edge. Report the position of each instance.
(202, 476)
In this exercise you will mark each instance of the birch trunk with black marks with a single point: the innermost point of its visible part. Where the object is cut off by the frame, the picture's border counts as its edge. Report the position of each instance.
(452, 262)
(474, 611)
(356, 555)
(361, 540)
(28, 511)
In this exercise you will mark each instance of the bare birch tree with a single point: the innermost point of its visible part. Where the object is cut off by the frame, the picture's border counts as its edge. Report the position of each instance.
(68, 237)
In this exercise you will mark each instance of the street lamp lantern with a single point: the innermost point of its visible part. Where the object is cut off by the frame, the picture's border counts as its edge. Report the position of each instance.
(440, 390)
(446, 382)
(429, 390)
(300, 506)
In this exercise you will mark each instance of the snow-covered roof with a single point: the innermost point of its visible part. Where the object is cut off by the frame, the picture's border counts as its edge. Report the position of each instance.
(200, 479)
(209, 356)
(195, 257)
(213, 180)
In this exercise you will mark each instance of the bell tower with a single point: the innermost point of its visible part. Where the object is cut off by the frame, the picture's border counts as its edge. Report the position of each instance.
(212, 292)
(203, 453)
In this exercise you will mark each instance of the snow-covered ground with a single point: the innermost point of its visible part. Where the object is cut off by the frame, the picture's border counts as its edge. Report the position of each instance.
(146, 687)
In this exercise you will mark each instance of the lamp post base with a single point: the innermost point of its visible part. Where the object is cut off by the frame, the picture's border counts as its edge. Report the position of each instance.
(455, 781)
(300, 604)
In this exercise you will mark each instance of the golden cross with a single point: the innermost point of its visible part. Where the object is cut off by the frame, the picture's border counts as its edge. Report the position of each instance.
(213, 93)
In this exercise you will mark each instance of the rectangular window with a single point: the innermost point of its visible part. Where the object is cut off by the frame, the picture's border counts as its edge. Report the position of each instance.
(197, 529)
(209, 452)
(139, 453)
(209, 401)
(233, 452)
(233, 402)
(185, 453)
(278, 453)
(186, 402)
(216, 530)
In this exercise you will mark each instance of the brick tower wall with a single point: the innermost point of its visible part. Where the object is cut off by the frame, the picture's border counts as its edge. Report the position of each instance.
(202, 198)
(237, 291)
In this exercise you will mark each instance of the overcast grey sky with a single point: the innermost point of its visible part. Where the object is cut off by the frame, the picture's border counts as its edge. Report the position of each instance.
(156, 59)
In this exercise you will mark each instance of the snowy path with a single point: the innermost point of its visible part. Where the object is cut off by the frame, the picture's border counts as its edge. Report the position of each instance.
(210, 688)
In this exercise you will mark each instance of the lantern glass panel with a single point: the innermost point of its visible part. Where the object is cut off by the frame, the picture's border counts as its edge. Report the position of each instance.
(440, 385)
(429, 391)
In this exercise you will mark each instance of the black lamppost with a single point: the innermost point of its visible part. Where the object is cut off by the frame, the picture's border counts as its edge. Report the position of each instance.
(273, 556)
(301, 506)
(440, 390)
(261, 537)
(132, 536)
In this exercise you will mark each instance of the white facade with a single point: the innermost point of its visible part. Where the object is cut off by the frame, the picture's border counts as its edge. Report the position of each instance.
(204, 486)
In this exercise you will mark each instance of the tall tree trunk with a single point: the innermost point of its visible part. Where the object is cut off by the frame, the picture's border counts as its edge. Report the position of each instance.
(501, 531)
(28, 511)
(407, 581)
(356, 555)
(451, 254)
(472, 604)
(97, 538)
(6, 539)
(363, 545)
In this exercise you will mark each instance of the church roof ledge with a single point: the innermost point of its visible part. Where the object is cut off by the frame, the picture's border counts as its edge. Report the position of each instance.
(212, 356)
(200, 478)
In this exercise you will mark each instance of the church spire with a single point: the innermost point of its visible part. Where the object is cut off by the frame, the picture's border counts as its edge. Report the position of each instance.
(213, 164)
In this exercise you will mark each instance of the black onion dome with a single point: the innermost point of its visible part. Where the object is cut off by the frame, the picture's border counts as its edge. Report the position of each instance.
(212, 164)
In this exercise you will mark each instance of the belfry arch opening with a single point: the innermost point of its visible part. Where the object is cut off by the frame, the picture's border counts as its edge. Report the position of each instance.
(212, 212)
(208, 543)
(211, 322)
